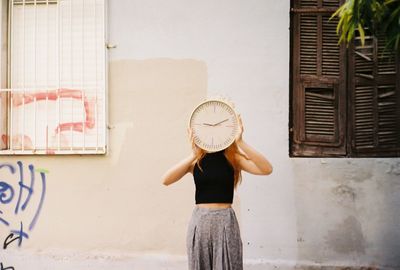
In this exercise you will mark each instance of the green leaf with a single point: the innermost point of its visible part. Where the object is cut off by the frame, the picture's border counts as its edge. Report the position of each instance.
(362, 34)
(350, 33)
(340, 23)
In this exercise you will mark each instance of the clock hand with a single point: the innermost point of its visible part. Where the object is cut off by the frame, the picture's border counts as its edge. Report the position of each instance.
(221, 122)
(206, 124)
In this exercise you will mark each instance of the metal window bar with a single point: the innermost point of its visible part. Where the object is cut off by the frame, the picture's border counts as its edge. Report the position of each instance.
(34, 2)
(96, 119)
(104, 78)
(9, 140)
(23, 77)
(26, 91)
(83, 72)
(72, 74)
(35, 79)
(47, 76)
(59, 66)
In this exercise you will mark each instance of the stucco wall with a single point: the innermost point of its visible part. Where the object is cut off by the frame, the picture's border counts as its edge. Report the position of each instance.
(112, 211)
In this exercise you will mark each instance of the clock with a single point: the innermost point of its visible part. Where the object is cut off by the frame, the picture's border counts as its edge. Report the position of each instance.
(214, 124)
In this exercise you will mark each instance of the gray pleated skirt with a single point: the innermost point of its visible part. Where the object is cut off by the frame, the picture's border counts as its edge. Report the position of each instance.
(213, 240)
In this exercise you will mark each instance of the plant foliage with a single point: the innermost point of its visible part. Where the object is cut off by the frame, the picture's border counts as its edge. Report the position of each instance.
(369, 16)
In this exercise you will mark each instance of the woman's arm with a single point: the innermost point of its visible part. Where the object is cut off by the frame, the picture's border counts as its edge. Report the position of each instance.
(178, 171)
(256, 162)
(183, 167)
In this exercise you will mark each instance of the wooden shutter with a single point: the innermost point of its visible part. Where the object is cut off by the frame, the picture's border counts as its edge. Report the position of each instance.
(318, 82)
(375, 99)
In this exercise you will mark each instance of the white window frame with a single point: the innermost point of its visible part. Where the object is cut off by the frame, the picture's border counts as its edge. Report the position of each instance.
(75, 139)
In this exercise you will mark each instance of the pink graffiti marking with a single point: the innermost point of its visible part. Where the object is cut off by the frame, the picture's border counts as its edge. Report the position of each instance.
(17, 140)
(22, 99)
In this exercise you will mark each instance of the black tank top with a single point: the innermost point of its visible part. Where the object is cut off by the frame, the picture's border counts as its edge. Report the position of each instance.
(215, 183)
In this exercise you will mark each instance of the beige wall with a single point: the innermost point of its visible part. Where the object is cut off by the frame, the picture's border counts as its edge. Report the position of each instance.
(112, 211)
(117, 202)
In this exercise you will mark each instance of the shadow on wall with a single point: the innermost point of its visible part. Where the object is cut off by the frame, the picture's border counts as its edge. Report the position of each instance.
(386, 196)
(348, 212)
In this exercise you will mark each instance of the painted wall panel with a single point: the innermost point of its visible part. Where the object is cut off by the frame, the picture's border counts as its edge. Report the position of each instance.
(112, 211)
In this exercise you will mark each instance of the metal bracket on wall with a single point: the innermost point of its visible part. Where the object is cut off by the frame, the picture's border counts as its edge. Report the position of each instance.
(111, 46)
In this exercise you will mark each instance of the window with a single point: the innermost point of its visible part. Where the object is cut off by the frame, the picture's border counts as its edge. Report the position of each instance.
(55, 101)
(344, 101)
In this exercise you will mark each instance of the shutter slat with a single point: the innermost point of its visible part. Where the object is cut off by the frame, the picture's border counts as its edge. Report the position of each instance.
(330, 3)
(364, 121)
(330, 49)
(308, 44)
(319, 111)
(308, 3)
(387, 127)
(364, 64)
(376, 126)
(386, 59)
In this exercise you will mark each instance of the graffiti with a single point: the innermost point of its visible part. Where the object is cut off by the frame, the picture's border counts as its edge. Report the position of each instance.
(17, 195)
(11, 238)
(85, 112)
(24, 99)
(5, 268)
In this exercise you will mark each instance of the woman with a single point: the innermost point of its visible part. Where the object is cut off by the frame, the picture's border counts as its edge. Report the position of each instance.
(213, 238)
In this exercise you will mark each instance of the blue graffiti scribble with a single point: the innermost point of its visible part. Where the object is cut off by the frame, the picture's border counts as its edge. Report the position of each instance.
(5, 222)
(5, 187)
(20, 234)
(9, 166)
(20, 192)
(32, 171)
(33, 222)
(22, 186)
(6, 193)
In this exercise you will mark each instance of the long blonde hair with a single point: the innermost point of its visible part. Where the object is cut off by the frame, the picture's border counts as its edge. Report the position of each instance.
(231, 155)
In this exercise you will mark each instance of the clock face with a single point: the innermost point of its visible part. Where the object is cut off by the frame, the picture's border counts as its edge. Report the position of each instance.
(214, 124)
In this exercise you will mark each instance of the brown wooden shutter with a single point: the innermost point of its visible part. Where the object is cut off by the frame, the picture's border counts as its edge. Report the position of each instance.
(318, 96)
(375, 99)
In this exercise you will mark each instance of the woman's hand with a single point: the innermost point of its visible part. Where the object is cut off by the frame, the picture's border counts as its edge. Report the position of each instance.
(239, 135)
(195, 148)
(253, 162)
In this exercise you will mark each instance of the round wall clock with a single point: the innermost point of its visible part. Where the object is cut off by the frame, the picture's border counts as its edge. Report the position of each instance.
(214, 124)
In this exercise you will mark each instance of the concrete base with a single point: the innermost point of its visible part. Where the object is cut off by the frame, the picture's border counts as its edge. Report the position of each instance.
(65, 261)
